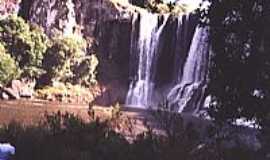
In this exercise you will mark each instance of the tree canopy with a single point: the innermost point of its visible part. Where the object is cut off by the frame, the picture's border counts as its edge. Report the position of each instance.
(240, 68)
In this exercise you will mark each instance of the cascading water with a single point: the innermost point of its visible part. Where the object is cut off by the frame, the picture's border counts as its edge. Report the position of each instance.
(141, 90)
(71, 18)
(187, 56)
(188, 94)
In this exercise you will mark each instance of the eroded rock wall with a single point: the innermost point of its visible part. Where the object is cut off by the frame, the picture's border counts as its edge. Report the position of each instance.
(8, 7)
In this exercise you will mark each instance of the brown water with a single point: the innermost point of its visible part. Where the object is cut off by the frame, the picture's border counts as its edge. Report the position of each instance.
(31, 112)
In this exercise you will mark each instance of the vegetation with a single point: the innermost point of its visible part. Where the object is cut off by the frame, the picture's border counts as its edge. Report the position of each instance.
(67, 137)
(159, 6)
(66, 61)
(240, 64)
(8, 67)
(43, 59)
(26, 44)
(239, 73)
(162, 7)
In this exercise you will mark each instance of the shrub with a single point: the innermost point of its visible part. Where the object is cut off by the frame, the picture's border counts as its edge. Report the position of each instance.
(26, 44)
(157, 6)
(60, 58)
(66, 60)
(8, 67)
(85, 70)
(65, 137)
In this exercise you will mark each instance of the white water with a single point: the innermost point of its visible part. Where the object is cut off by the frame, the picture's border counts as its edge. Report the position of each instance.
(189, 65)
(189, 93)
(141, 90)
(71, 19)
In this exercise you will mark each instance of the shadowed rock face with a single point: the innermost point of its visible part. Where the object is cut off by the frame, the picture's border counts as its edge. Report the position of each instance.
(82, 16)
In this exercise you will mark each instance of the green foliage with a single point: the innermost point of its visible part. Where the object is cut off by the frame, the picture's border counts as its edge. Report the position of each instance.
(25, 43)
(8, 67)
(60, 58)
(157, 6)
(239, 73)
(65, 60)
(85, 70)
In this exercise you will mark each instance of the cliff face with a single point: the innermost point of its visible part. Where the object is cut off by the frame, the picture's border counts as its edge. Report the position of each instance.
(9, 7)
(67, 16)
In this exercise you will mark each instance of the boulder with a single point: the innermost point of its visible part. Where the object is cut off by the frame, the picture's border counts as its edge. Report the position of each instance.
(18, 89)
(27, 89)
(10, 93)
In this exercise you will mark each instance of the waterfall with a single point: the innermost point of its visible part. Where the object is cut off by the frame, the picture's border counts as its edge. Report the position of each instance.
(141, 89)
(71, 18)
(188, 94)
(177, 48)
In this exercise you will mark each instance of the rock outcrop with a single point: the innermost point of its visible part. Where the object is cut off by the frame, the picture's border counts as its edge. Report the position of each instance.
(17, 89)
(9, 7)
(67, 16)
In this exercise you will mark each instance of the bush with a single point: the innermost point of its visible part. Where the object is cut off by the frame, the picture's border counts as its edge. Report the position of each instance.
(65, 137)
(157, 6)
(8, 67)
(38, 57)
(68, 137)
(85, 70)
(66, 60)
(26, 44)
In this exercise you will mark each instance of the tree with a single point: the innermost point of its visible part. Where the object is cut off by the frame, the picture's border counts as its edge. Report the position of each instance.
(8, 67)
(25, 43)
(240, 68)
(66, 60)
